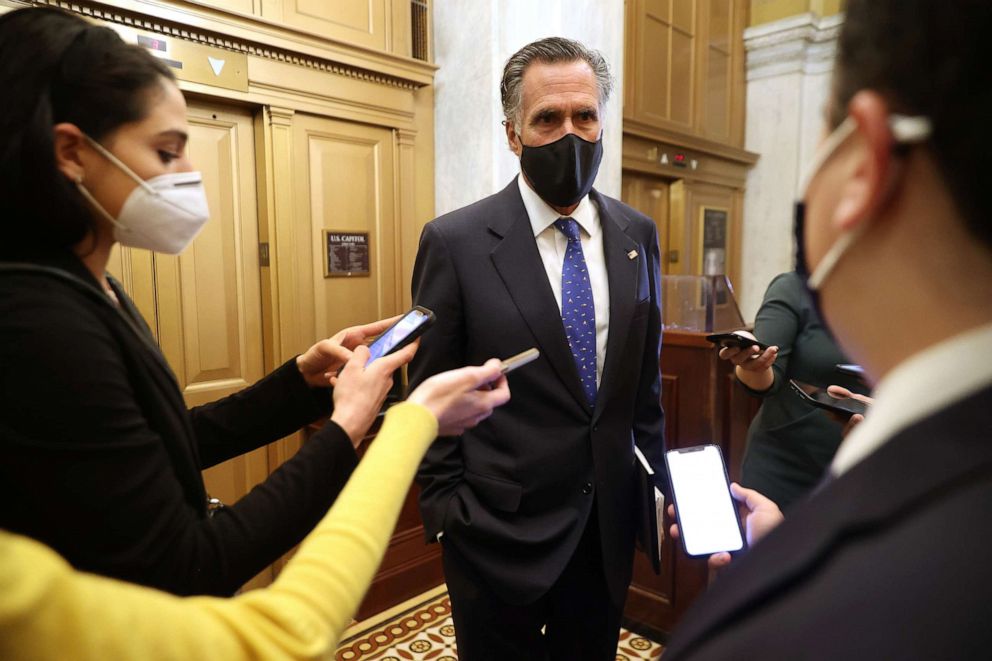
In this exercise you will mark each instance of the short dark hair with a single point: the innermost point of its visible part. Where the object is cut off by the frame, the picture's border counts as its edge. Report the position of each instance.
(549, 51)
(56, 67)
(931, 58)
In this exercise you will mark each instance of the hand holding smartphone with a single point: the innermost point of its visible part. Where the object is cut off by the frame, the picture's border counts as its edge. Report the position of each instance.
(820, 398)
(411, 325)
(734, 340)
(704, 507)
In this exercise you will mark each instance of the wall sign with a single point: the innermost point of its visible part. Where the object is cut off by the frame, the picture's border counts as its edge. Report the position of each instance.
(346, 254)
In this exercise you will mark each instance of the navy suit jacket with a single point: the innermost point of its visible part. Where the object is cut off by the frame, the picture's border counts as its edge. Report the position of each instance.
(514, 494)
(889, 561)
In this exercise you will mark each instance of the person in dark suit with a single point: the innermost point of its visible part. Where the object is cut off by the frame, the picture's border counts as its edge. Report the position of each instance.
(888, 559)
(99, 456)
(536, 514)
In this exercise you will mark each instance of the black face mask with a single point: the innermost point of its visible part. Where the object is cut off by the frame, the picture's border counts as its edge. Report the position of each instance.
(562, 172)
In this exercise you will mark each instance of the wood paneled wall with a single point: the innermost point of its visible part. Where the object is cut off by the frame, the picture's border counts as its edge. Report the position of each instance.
(684, 123)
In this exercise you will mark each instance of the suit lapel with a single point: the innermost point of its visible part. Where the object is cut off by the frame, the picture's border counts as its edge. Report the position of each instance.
(621, 272)
(919, 464)
(519, 265)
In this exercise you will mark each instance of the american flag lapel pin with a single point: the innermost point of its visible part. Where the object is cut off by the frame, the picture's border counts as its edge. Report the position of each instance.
(632, 254)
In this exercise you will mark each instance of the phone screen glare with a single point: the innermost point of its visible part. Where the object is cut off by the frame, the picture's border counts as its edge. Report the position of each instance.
(396, 334)
(707, 520)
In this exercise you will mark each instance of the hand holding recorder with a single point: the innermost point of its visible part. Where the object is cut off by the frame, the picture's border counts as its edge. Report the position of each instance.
(752, 359)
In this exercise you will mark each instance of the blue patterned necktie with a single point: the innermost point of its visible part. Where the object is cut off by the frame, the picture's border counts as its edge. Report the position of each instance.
(578, 314)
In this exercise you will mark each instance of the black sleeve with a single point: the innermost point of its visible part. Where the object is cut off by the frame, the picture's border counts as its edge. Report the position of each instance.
(778, 323)
(436, 287)
(275, 407)
(84, 471)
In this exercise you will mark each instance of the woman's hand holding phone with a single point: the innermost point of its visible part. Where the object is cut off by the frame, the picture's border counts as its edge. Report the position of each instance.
(462, 398)
(752, 357)
(361, 389)
(841, 392)
(760, 517)
(752, 364)
(321, 362)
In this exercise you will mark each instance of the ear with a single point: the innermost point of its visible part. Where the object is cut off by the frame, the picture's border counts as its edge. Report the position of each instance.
(69, 142)
(512, 138)
(868, 169)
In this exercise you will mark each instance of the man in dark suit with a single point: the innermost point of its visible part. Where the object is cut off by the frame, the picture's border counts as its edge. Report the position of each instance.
(889, 559)
(535, 507)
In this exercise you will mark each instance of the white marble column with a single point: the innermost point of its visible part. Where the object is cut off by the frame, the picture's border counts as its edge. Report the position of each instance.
(789, 66)
(472, 41)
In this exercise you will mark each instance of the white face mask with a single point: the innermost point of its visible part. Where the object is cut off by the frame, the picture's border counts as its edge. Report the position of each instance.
(163, 214)
(906, 130)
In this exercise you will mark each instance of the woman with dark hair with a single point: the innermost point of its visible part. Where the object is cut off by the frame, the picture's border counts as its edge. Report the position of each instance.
(99, 456)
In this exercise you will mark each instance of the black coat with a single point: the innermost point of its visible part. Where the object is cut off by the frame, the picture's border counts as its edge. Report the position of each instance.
(889, 561)
(100, 457)
(513, 494)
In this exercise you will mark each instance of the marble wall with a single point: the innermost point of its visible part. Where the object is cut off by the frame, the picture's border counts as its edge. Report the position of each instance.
(789, 65)
(472, 41)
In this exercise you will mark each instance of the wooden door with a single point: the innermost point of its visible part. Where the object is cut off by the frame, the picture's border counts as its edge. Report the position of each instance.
(344, 184)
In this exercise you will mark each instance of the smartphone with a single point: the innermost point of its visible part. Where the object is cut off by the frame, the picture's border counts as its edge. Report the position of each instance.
(734, 340)
(704, 508)
(519, 360)
(856, 371)
(410, 326)
(820, 398)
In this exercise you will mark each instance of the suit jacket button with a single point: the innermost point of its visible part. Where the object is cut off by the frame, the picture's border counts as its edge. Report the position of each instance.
(587, 488)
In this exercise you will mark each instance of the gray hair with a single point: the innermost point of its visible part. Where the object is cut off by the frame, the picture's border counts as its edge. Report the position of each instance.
(549, 51)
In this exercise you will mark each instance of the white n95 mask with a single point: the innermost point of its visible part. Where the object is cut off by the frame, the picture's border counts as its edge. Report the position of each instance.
(163, 214)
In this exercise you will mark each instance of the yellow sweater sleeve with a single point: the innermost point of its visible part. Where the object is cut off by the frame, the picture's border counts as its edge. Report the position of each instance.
(50, 611)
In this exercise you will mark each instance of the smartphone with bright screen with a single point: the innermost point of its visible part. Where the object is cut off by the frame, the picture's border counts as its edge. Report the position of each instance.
(408, 328)
(707, 515)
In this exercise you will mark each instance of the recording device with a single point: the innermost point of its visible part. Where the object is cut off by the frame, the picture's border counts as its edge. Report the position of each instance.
(734, 340)
(519, 360)
(820, 398)
(411, 325)
(705, 510)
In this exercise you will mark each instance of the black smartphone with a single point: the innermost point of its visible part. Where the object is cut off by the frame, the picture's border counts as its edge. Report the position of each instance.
(820, 398)
(705, 510)
(849, 369)
(734, 340)
(411, 325)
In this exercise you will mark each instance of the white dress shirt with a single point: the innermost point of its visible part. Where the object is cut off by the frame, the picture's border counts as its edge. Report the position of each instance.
(552, 244)
(925, 383)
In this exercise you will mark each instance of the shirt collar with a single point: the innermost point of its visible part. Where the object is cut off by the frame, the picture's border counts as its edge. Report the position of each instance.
(927, 382)
(542, 216)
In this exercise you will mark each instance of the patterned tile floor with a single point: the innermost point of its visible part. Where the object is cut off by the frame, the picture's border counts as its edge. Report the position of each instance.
(425, 632)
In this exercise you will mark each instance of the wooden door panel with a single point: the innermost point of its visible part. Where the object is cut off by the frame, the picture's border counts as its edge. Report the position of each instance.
(347, 186)
(209, 304)
(361, 22)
